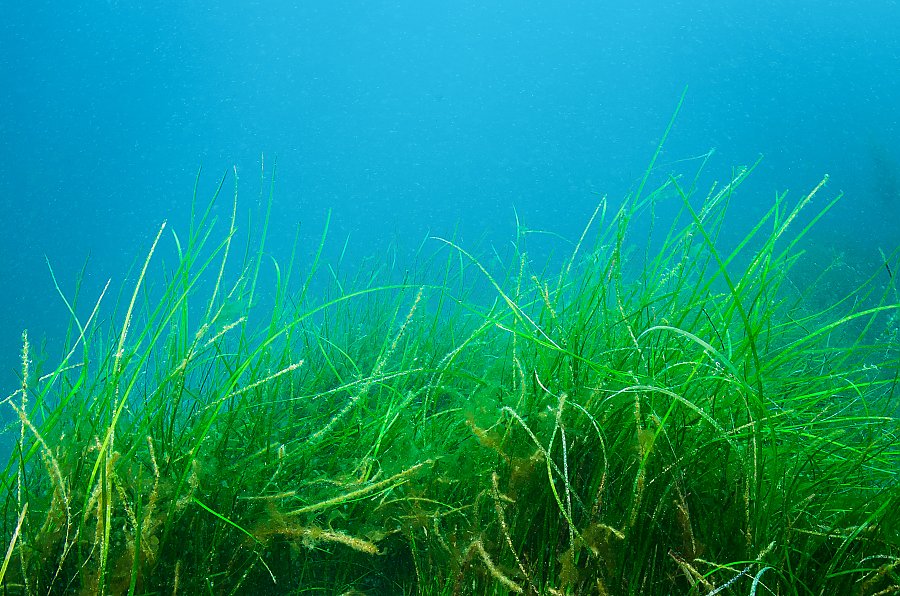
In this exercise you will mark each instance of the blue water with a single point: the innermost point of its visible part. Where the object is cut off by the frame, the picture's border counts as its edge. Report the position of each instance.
(412, 118)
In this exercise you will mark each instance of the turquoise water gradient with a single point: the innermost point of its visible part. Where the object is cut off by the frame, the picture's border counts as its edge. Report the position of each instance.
(410, 118)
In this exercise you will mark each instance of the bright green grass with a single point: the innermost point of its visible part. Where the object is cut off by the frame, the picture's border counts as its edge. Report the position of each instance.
(661, 415)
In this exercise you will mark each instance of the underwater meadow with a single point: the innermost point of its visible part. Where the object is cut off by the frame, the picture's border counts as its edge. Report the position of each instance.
(655, 410)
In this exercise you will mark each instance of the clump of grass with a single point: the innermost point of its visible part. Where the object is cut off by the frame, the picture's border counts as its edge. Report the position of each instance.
(656, 416)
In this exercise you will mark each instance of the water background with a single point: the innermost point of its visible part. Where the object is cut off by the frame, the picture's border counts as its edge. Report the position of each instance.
(406, 119)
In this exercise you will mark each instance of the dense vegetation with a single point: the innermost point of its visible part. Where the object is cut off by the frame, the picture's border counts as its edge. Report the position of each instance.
(660, 412)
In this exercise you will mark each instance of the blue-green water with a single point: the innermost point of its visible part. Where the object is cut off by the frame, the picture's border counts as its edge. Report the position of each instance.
(411, 118)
